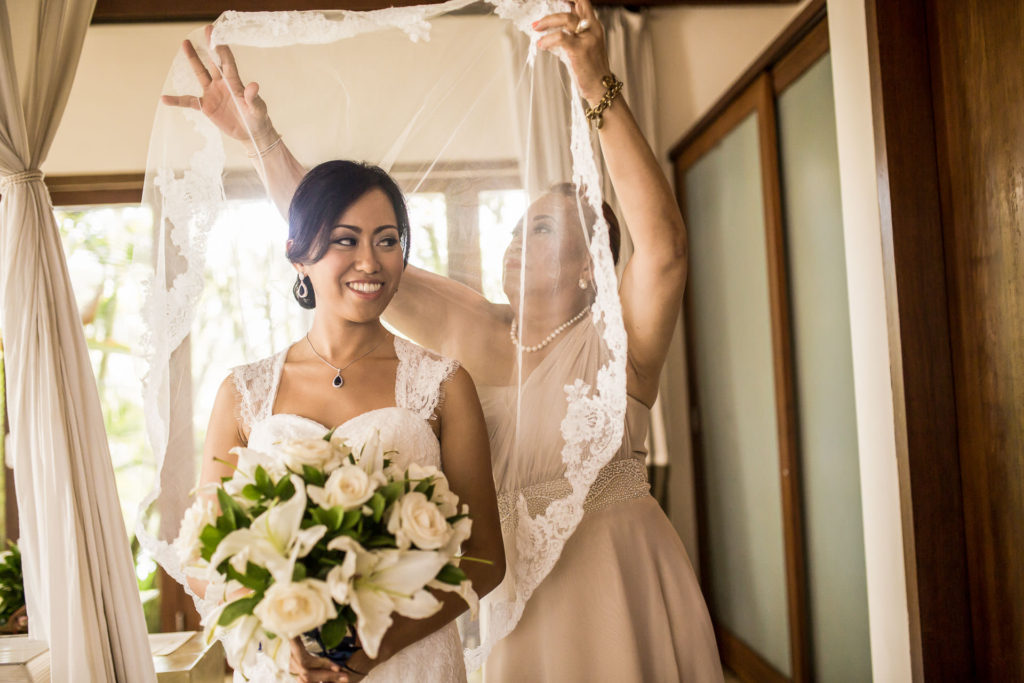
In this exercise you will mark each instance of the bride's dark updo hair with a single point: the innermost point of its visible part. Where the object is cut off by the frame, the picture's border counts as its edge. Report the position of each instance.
(324, 194)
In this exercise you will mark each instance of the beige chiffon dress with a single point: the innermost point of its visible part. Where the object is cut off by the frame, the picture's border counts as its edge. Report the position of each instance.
(622, 602)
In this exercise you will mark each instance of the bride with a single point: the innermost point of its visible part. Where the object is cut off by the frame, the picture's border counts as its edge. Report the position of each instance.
(621, 602)
(348, 239)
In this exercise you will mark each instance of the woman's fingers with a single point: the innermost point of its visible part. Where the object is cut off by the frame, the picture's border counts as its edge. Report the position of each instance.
(566, 21)
(554, 40)
(198, 68)
(185, 101)
(321, 676)
(230, 70)
(585, 10)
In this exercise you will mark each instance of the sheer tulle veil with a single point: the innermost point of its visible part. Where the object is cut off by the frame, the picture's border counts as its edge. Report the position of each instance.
(454, 101)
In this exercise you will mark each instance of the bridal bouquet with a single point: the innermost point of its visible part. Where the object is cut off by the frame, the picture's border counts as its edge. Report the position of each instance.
(326, 538)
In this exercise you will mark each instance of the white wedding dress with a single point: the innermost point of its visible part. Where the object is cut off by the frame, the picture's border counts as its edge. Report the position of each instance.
(403, 427)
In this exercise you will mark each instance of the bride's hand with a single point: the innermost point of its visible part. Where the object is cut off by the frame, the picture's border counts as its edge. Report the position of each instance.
(580, 37)
(308, 668)
(236, 109)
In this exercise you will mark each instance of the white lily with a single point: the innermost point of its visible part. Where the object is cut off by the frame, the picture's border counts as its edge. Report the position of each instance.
(463, 590)
(371, 454)
(381, 582)
(274, 540)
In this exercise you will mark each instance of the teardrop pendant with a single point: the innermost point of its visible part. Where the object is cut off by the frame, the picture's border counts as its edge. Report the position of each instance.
(338, 382)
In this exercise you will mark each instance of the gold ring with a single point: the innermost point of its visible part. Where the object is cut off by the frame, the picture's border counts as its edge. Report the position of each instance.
(582, 26)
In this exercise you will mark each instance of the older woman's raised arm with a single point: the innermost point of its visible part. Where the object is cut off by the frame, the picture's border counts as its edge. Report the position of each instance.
(653, 281)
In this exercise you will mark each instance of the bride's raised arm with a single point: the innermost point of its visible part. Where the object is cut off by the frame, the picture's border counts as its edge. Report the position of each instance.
(652, 282)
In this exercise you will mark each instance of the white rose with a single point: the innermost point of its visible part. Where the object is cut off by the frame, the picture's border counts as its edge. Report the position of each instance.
(290, 609)
(316, 453)
(201, 513)
(349, 486)
(442, 496)
(415, 519)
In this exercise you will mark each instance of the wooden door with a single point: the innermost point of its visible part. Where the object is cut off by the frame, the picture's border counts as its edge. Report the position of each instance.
(948, 95)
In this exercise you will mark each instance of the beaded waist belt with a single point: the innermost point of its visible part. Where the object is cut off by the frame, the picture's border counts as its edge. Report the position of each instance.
(618, 480)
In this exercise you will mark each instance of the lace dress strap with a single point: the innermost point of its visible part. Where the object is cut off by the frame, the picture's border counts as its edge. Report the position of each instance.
(421, 374)
(256, 384)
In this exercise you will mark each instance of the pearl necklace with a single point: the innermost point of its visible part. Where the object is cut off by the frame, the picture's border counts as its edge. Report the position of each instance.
(338, 382)
(513, 333)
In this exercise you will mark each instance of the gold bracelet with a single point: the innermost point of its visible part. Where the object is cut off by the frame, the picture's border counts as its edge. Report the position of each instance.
(260, 153)
(613, 87)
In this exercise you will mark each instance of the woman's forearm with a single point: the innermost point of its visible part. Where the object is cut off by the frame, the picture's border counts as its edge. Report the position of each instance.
(648, 205)
(277, 167)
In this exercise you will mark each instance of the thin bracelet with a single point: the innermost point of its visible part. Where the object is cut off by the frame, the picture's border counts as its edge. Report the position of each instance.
(260, 153)
(613, 87)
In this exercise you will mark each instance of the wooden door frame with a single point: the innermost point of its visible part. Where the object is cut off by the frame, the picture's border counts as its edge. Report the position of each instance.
(901, 53)
(801, 45)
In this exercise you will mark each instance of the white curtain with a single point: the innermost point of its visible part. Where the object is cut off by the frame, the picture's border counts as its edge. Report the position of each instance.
(79, 580)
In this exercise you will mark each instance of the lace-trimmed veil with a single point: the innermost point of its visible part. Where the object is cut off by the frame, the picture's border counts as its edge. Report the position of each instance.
(475, 126)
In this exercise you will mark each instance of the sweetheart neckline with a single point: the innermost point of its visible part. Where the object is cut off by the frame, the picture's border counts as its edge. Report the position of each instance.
(348, 421)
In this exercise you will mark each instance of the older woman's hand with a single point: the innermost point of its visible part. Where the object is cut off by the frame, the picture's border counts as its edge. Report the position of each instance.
(236, 109)
(580, 37)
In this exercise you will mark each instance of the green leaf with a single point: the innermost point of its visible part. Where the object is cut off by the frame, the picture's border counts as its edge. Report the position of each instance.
(423, 485)
(333, 632)
(334, 517)
(237, 609)
(392, 491)
(350, 519)
(255, 577)
(377, 504)
(451, 574)
(251, 492)
(381, 541)
(455, 518)
(313, 476)
(263, 483)
(230, 508)
(328, 435)
(210, 536)
(299, 573)
(284, 489)
(226, 524)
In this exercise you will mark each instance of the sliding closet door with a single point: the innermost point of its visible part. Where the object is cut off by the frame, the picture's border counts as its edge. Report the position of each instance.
(823, 366)
(771, 366)
(742, 428)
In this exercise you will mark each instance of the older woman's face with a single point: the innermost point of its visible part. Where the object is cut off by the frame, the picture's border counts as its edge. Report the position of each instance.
(549, 240)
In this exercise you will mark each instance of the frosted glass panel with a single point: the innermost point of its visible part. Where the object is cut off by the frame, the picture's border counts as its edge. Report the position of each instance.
(833, 529)
(731, 334)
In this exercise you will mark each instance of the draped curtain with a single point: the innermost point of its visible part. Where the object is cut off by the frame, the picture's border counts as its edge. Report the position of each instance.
(80, 583)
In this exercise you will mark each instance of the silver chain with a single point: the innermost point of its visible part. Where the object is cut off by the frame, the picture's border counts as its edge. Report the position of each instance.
(338, 382)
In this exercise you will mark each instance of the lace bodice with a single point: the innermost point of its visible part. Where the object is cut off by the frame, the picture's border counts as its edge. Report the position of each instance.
(402, 428)
(419, 387)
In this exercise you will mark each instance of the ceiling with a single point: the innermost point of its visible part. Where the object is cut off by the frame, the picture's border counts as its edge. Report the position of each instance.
(127, 11)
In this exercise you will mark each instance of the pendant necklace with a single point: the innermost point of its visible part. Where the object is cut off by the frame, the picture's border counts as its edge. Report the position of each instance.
(338, 382)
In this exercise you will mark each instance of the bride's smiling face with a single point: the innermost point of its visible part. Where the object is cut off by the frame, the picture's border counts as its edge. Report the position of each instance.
(359, 272)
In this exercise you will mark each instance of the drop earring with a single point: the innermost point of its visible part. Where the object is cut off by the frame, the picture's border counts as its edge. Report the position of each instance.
(303, 291)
